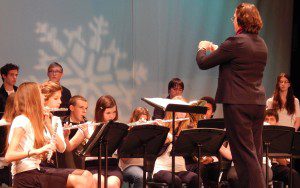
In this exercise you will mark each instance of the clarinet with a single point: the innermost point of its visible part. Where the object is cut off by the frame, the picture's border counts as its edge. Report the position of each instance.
(52, 142)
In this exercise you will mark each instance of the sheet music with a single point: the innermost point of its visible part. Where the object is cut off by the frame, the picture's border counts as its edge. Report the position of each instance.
(163, 102)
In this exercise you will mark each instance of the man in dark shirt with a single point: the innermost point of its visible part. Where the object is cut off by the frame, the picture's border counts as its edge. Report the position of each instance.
(78, 107)
(55, 73)
(175, 88)
(9, 75)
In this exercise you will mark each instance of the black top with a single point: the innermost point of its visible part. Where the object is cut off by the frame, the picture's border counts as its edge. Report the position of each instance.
(66, 119)
(242, 59)
(65, 98)
(3, 98)
(70, 159)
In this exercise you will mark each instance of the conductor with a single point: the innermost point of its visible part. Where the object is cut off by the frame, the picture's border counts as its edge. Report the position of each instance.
(242, 59)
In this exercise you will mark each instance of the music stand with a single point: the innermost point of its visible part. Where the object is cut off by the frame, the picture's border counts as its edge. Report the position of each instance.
(296, 145)
(143, 141)
(217, 123)
(200, 141)
(176, 108)
(277, 141)
(109, 136)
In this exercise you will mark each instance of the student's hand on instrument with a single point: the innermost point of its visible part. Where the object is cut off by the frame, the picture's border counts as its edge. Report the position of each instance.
(47, 119)
(67, 131)
(85, 130)
(206, 160)
(158, 122)
(41, 151)
(142, 120)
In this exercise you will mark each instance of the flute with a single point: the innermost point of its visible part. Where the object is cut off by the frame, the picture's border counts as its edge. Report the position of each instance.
(56, 109)
(78, 126)
(153, 121)
(53, 142)
(5, 124)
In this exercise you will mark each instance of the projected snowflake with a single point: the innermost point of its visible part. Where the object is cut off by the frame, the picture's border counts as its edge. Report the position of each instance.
(92, 67)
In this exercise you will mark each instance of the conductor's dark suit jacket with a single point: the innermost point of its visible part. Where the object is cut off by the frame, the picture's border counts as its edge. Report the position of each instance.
(242, 59)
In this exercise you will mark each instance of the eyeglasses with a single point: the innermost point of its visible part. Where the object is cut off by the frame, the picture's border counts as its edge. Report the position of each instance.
(54, 71)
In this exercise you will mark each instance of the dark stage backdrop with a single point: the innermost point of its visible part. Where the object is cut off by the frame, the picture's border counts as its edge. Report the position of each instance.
(295, 58)
(131, 48)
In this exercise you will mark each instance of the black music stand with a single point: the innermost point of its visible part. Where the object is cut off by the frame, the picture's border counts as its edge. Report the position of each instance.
(109, 136)
(296, 145)
(176, 108)
(217, 123)
(277, 141)
(144, 141)
(200, 141)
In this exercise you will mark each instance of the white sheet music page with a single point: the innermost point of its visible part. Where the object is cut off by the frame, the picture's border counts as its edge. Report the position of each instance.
(163, 102)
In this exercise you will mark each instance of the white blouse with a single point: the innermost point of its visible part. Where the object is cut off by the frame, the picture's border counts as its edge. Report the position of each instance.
(285, 118)
(164, 162)
(26, 143)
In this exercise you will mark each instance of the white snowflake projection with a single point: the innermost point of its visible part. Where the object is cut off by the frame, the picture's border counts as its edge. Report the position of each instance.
(92, 67)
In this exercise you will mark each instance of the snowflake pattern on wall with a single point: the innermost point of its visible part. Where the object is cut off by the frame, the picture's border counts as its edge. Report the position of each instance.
(91, 67)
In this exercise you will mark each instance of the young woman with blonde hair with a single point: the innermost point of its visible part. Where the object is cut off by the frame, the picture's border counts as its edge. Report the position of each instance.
(28, 144)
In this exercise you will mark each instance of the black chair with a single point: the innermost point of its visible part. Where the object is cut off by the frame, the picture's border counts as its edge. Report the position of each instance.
(296, 145)
(277, 142)
(144, 141)
(217, 123)
(199, 142)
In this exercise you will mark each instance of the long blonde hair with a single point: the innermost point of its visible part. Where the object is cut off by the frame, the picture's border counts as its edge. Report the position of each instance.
(179, 126)
(28, 102)
(9, 108)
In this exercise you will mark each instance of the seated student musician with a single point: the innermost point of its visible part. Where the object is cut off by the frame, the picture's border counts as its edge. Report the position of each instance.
(210, 164)
(281, 166)
(105, 110)
(284, 101)
(175, 88)
(55, 74)
(132, 167)
(52, 94)
(163, 164)
(28, 144)
(52, 100)
(78, 106)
